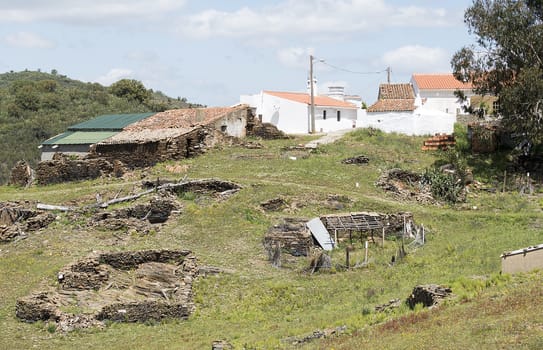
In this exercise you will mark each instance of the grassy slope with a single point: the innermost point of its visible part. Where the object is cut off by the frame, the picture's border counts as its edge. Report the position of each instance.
(256, 306)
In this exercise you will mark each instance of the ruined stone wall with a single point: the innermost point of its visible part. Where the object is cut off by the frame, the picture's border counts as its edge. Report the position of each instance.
(135, 286)
(129, 260)
(267, 131)
(147, 153)
(21, 174)
(16, 219)
(292, 236)
(63, 169)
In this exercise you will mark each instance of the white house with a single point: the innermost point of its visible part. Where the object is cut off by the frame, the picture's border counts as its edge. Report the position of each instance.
(399, 110)
(291, 111)
(436, 92)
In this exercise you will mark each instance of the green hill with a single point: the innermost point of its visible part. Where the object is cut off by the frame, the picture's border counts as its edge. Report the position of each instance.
(35, 106)
(257, 306)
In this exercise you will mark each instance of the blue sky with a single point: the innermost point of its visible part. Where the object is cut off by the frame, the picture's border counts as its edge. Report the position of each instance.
(212, 51)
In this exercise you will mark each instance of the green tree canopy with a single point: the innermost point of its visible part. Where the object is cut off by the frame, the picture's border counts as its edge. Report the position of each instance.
(507, 60)
(130, 89)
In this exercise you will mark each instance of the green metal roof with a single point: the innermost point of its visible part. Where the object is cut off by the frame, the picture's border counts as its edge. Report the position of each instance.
(110, 122)
(79, 137)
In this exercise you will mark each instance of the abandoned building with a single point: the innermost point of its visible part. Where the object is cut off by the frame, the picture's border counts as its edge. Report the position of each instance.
(78, 138)
(109, 145)
(173, 135)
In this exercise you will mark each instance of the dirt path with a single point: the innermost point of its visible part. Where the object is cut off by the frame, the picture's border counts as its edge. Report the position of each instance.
(328, 138)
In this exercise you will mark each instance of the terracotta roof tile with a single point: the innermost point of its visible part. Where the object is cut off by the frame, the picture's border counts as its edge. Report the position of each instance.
(393, 105)
(303, 97)
(445, 81)
(394, 98)
(182, 118)
(171, 123)
(396, 91)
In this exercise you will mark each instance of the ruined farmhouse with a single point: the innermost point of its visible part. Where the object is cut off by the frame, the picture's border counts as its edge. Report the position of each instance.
(109, 144)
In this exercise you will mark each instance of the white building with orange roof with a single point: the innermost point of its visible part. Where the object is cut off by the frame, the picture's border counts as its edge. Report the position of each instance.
(290, 111)
(436, 92)
(399, 110)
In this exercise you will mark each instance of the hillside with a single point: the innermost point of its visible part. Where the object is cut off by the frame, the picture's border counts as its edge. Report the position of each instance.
(254, 305)
(35, 106)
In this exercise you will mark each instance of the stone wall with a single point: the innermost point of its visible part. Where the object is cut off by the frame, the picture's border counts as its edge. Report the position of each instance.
(147, 153)
(16, 219)
(292, 236)
(135, 286)
(64, 169)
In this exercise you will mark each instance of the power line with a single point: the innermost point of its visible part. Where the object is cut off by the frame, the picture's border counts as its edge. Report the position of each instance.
(348, 70)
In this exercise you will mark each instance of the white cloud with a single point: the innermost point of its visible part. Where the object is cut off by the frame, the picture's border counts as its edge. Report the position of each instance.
(295, 17)
(416, 58)
(114, 75)
(295, 57)
(28, 40)
(84, 10)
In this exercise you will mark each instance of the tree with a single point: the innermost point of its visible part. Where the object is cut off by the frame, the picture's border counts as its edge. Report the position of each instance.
(507, 60)
(130, 89)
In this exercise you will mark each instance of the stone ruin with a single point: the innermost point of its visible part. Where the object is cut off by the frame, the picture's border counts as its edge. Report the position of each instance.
(428, 295)
(140, 217)
(291, 236)
(136, 286)
(63, 168)
(16, 219)
(265, 131)
(21, 175)
(274, 204)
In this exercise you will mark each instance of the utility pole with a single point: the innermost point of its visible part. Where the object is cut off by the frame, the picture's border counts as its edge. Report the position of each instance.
(312, 109)
(388, 75)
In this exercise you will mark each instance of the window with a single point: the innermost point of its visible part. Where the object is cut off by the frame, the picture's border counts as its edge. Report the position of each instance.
(324, 114)
(338, 116)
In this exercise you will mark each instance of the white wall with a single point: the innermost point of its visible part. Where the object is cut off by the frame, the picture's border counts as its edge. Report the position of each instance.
(293, 117)
(348, 118)
(441, 102)
(410, 123)
(234, 123)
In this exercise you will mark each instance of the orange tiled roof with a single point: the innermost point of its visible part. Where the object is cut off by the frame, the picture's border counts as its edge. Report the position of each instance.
(393, 105)
(394, 98)
(396, 91)
(444, 81)
(182, 118)
(305, 98)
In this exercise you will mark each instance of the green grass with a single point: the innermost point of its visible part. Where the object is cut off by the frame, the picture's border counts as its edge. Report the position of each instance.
(256, 305)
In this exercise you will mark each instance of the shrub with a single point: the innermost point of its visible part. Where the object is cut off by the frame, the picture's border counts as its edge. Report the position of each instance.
(446, 187)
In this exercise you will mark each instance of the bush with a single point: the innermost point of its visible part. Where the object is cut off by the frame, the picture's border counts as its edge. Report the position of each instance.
(446, 187)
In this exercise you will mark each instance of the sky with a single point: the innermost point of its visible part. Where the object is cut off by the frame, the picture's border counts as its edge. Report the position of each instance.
(213, 51)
